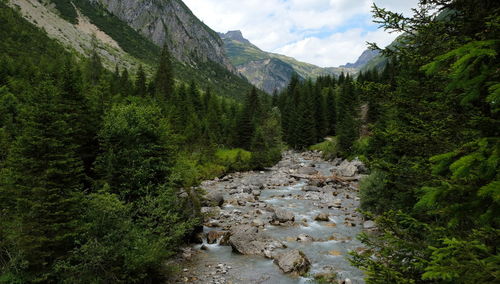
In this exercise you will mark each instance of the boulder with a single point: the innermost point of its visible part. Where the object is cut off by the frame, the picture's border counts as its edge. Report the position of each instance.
(283, 216)
(352, 168)
(305, 238)
(307, 171)
(322, 217)
(337, 203)
(214, 199)
(214, 236)
(258, 223)
(244, 240)
(369, 225)
(293, 261)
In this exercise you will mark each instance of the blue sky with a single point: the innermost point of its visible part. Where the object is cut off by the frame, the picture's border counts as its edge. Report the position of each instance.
(322, 32)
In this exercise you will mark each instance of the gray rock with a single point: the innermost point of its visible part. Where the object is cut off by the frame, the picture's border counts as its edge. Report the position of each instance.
(258, 223)
(369, 225)
(293, 261)
(311, 188)
(323, 217)
(214, 199)
(307, 171)
(352, 168)
(282, 215)
(305, 238)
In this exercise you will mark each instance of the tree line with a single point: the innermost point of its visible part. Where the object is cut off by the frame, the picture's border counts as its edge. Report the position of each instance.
(428, 127)
(98, 169)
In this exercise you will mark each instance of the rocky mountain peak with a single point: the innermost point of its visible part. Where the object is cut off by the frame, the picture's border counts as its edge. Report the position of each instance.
(172, 23)
(235, 35)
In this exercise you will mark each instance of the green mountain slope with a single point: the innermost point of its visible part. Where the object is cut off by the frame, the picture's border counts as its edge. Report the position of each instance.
(87, 23)
(270, 71)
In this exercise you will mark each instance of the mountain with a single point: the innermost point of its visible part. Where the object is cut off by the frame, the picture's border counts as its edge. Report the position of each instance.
(365, 57)
(270, 71)
(130, 33)
(172, 23)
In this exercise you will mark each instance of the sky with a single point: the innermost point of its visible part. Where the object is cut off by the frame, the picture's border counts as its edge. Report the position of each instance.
(326, 33)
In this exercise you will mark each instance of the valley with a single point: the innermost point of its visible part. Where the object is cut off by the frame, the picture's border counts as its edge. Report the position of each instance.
(301, 205)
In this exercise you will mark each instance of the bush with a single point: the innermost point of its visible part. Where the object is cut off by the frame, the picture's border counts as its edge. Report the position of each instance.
(234, 159)
(372, 188)
(329, 148)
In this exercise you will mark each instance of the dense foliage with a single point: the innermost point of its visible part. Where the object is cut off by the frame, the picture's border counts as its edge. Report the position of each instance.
(98, 169)
(428, 125)
(434, 148)
(312, 111)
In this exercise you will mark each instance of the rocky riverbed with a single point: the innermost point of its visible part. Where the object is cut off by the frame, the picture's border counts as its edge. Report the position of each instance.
(289, 224)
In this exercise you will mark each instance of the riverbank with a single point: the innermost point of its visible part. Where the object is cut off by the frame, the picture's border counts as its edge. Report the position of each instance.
(289, 224)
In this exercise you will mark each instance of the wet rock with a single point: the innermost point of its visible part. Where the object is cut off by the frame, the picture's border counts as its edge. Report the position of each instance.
(214, 236)
(311, 189)
(369, 225)
(283, 216)
(316, 182)
(198, 238)
(305, 238)
(337, 203)
(213, 224)
(258, 223)
(322, 217)
(307, 171)
(293, 261)
(204, 247)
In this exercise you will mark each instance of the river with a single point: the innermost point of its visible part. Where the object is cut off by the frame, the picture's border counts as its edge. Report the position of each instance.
(298, 185)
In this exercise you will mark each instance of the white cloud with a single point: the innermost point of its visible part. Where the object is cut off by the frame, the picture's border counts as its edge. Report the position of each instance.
(291, 26)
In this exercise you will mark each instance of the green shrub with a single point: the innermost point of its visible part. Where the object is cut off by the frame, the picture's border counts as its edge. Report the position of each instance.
(329, 148)
(234, 159)
(372, 191)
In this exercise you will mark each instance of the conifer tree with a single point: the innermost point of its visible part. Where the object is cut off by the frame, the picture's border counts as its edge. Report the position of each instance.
(331, 111)
(140, 87)
(164, 79)
(347, 112)
(44, 177)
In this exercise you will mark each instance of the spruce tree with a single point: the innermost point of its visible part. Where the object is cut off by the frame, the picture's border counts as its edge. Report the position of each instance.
(347, 112)
(140, 88)
(164, 79)
(44, 177)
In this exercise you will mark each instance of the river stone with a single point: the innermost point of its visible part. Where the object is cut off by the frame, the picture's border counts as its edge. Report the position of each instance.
(293, 261)
(324, 217)
(352, 168)
(311, 188)
(214, 199)
(305, 238)
(258, 223)
(282, 215)
(307, 171)
(244, 240)
(369, 225)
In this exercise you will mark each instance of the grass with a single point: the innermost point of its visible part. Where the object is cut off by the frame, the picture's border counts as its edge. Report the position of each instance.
(328, 148)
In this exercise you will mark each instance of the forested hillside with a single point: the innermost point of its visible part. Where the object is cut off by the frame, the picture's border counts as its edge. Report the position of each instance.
(428, 126)
(109, 175)
(97, 168)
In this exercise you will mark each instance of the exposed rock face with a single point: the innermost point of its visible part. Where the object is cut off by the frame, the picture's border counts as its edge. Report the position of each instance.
(266, 70)
(365, 57)
(293, 261)
(171, 22)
